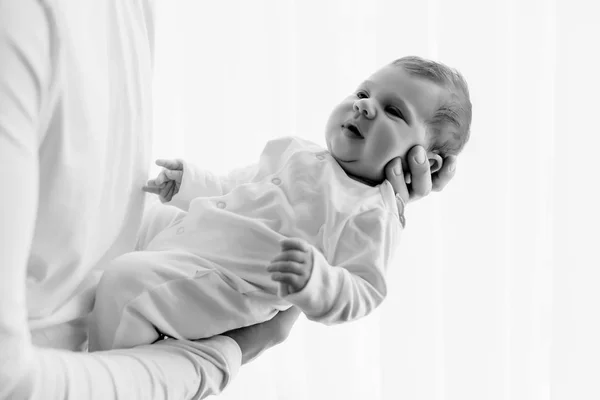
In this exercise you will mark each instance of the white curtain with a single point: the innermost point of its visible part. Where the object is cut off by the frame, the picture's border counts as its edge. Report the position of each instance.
(496, 294)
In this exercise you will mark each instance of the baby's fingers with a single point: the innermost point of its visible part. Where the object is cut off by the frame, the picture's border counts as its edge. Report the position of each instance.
(152, 183)
(166, 190)
(170, 164)
(292, 280)
(288, 267)
(167, 175)
(162, 178)
(294, 244)
(174, 175)
(291, 255)
(151, 189)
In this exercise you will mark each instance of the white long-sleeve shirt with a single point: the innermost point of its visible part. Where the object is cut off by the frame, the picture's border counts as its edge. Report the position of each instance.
(75, 136)
(296, 190)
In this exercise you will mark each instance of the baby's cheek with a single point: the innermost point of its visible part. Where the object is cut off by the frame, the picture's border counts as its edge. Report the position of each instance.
(387, 149)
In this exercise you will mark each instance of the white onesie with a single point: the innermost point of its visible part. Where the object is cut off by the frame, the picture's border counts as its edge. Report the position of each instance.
(206, 273)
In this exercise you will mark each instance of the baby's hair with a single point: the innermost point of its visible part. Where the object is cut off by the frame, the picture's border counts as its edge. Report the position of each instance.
(455, 111)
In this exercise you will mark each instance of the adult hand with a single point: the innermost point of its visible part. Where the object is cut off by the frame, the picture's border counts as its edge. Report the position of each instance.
(418, 181)
(255, 339)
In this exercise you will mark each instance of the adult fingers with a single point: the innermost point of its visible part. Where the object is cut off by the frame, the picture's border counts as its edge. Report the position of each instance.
(396, 176)
(170, 164)
(420, 173)
(255, 339)
(441, 178)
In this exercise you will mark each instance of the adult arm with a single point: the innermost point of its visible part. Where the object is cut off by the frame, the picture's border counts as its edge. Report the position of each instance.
(173, 369)
(269, 333)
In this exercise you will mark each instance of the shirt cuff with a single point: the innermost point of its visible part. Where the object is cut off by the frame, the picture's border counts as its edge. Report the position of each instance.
(231, 351)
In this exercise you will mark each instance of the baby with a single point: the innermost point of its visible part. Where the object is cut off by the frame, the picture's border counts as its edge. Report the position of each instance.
(304, 226)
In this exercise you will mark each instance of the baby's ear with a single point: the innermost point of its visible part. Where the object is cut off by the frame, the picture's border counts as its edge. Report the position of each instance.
(435, 162)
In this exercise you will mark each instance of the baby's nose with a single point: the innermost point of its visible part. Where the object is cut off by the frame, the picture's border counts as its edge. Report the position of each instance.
(364, 107)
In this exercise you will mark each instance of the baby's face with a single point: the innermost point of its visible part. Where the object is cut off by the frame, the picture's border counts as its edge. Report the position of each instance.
(382, 119)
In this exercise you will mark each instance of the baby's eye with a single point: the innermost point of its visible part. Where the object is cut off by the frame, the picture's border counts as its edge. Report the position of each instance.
(362, 94)
(395, 112)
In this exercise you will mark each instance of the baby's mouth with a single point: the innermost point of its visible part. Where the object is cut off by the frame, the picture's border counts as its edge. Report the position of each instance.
(352, 130)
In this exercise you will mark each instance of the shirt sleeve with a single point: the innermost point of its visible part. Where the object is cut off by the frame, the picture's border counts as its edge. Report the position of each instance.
(170, 369)
(353, 284)
(198, 182)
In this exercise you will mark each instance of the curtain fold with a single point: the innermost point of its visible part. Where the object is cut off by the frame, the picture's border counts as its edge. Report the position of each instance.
(495, 292)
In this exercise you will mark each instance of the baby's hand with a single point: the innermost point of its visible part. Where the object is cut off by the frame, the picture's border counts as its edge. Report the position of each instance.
(293, 266)
(167, 183)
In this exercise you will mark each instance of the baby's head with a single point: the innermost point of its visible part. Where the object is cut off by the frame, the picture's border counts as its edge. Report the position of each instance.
(408, 102)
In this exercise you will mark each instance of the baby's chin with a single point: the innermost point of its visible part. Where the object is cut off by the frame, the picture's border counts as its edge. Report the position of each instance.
(361, 176)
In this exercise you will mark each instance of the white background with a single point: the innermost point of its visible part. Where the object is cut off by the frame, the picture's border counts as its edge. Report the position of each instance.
(496, 292)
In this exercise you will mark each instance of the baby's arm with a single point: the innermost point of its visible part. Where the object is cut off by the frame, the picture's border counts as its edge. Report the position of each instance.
(353, 285)
(180, 182)
(293, 266)
(167, 183)
(197, 182)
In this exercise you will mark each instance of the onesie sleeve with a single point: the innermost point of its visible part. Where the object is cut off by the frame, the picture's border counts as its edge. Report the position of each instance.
(353, 284)
(199, 182)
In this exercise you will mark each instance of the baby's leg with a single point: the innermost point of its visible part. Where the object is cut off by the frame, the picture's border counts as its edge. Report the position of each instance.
(143, 294)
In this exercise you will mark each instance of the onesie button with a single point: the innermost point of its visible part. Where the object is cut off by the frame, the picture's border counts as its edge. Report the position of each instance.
(221, 204)
(320, 157)
(276, 181)
(180, 230)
